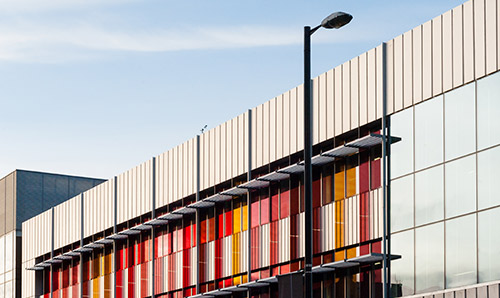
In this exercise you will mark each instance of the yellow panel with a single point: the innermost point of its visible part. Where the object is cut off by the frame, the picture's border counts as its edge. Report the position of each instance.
(245, 216)
(236, 218)
(351, 182)
(351, 253)
(339, 181)
(339, 255)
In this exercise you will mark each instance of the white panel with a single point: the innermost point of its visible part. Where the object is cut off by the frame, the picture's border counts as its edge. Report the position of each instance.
(338, 100)
(372, 81)
(407, 69)
(315, 109)
(355, 92)
(265, 133)
(243, 144)
(322, 108)
(294, 120)
(417, 64)
(300, 117)
(265, 240)
(479, 39)
(447, 52)
(330, 104)
(279, 127)
(427, 60)
(214, 159)
(232, 156)
(346, 96)
(437, 58)
(217, 152)
(390, 76)
(257, 138)
(491, 36)
(363, 98)
(398, 73)
(223, 149)
(458, 66)
(272, 130)
(379, 58)
(286, 123)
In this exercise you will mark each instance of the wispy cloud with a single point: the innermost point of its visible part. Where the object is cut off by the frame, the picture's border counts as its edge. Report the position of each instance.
(52, 44)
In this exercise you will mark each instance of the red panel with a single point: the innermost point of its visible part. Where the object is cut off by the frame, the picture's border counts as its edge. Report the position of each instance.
(131, 281)
(186, 263)
(375, 173)
(364, 217)
(285, 269)
(120, 284)
(364, 172)
(218, 258)
(220, 223)
(255, 211)
(255, 248)
(264, 209)
(211, 228)
(193, 228)
(316, 188)
(203, 231)
(229, 222)
(144, 279)
(275, 204)
(316, 230)
(275, 271)
(274, 243)
(294, 197)
(294, 234)
(285, 203)
(255, 275)
(186, 237)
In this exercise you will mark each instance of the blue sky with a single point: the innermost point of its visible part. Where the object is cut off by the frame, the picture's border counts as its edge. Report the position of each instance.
(95, 87)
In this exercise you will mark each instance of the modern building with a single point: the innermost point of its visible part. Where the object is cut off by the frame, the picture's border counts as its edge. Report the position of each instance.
(24, 194)
(223, 213)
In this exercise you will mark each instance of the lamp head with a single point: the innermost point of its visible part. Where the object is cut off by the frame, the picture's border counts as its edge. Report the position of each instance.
(336, 20)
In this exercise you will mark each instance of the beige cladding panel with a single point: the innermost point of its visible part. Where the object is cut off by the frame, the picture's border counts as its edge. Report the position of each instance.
(447, 51)
(300, 117)
(437, 58)
(491, 35)
(322, 108)
(315, 109)
(293, 120)
(67, 222)
(372, 85)
(330, 104)
(224, 147)
(390, 75)
(286, 123)
(458, 46)
(398, 73)
(379, 70)
(272, 130)
(279, 127)
(265, 133)
(468, 41)
(346, 96)
(354, 79)
(338, 100)
(408, 69)
(426, 60)
(498, 34)
(479, 39)
(417, 64)
(363, 98)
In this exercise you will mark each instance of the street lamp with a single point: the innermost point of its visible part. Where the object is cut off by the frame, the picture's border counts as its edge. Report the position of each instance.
(334, 21)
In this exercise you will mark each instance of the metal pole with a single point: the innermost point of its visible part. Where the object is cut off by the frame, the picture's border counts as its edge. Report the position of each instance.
(384, 176)
(115, 221)
(52, 254)
(307, 162)
(198, 216)
(153, 215)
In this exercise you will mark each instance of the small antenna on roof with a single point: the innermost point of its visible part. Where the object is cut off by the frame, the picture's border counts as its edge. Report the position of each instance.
(203, 129)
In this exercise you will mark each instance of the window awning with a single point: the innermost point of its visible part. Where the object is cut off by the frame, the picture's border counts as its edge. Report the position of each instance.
(71, 254)
(254, 184)
(156, 222)
(202, 204)
(170, 216)
(292, 169)
(274, 176)
(142, 227)
(104, 241)
(184, 210)
(218, 292)
(94, 246)
(341, 151)
(63, 257)
(117, 236)
(237, 288)
(218, 198)
(83, 249)
(235, 191)
(130, 232)
(319, 160)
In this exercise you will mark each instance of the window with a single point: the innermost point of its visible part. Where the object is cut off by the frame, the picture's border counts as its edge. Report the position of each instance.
(488, 165)
(488, 109)
(460, 181)
(402, 152)
(402, 201)
(429, 196)
(429, 258)
(429, 133)
(402, 270)
(488, 245)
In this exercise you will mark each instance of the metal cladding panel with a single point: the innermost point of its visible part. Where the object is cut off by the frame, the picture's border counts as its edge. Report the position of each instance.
(225, 147)
(426, 60)
(244, 146)
(315, 109)
(491, 35)
(217, 151)
(330, 104)
(354, 92)
(338, 100)
(408, 69)
(300, 117)
(257, 136)
(177, 172)
(232, 143)
(286, 124)
(447, 51)
(279, 127)
(346, 96)
(265, 247)
(67, 221)
(437, 58)
(293, 120)
(322, 107)
(468, 41)
(284, 242)
(255, 127)
(134, 194)
(265, 133)
(390, 75)
(398, 73)
(363, 98)
(458, 47)
(272, 130)
(479, 39)
(372, 83)
(379, 58)
(417, 64)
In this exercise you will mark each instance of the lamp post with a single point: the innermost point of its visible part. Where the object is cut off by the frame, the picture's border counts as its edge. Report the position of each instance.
(333, 21)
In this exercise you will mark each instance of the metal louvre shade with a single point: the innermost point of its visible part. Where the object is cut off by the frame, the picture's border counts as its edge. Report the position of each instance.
(83, 249)
(340, 151)
(366, 141)
(372, 258)
(202, 204)
(156, 222)
(254, 284)
(184, 211)
(322, 269)
(254, 184)
(104, 241)
(36, 268)
(71, 254)
(219, 292)
(53, 261)
(237, 288)
(117, 236)
(269, 280)
(292, 170)
(319, 160)
(235, 191)
(63, 257)
(274, 176)
(143, 227)
(218, 198)
(130, 232)
(43, 264)
(171, 216)
(94, 245)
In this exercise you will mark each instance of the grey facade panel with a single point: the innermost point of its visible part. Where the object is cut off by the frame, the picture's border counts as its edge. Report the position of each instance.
(2, 206)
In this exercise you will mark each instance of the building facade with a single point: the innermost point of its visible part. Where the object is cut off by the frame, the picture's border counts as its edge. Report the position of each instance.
(24, 194)
(223, 213)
